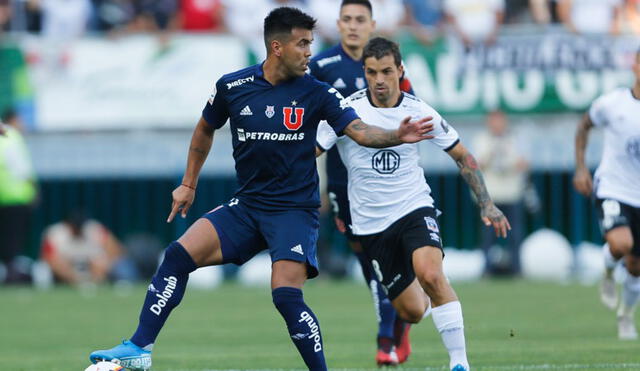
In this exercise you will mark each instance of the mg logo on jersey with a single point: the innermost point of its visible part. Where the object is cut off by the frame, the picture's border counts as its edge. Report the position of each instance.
(295, 125)
(385, 161)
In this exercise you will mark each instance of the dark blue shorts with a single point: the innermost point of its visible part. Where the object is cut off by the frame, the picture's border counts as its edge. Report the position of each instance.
(245, 231)
(340, 207)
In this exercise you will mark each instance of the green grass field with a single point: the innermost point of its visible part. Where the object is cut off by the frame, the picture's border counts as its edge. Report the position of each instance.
(510, 325)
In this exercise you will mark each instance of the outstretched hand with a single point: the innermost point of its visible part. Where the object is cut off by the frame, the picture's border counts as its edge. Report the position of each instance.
(492, 216)
(415, 131)
(183, 197)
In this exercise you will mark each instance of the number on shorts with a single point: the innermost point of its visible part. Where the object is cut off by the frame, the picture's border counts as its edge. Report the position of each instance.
(334, 202)
(376, 268)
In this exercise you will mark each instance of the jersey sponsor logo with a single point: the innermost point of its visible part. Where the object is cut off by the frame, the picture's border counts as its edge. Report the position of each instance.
(239, 82)
(244, 136)
(360, 84)
(315, 330)
(246, 111)
(385, 161)
(287, 111)
(431, 224)
(633, 149)
(339, 84)
(297, 249)
(164, 296)
(270, 111)
(325, 61)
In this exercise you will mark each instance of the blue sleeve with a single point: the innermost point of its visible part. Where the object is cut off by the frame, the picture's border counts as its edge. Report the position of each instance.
(216, 112)
(314, 70)
(336, 109)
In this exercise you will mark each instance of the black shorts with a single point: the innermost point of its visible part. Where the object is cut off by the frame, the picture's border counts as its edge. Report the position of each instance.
(340, 207)
(391, 250)
(613, 214)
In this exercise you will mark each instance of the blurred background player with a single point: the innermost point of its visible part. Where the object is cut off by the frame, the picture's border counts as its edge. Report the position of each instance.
(617, 193)
(83, 252)
(392, 211)
(274, 109)
(341, 66)
(505, 170)
(18, 196)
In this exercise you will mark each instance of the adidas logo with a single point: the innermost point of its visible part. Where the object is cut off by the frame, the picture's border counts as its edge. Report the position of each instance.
(339, 84)
(246, 111)
(298, 248)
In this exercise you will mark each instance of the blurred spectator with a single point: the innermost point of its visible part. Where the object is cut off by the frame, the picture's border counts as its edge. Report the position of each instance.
(475, 21)
(516, 11)
(325, 13)
(82, 251)
(630, 17)
(65, 20)
(154, 15)
(505, 171)
(201, 15)
(112, 15)
(18, 194)
(424, 18)
(544, 11)
(389, 15)
(5, 15)
(590, 16)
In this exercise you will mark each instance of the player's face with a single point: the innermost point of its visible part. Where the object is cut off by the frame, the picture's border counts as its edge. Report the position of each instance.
(296, 52)
(355, 25)
(383, 77)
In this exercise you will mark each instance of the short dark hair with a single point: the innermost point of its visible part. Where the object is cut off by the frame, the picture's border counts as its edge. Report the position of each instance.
(378, 47)
(283, 20)
(365, 3)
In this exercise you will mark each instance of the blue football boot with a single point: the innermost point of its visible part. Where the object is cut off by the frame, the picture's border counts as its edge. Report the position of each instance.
(459, 367)
(127, 354)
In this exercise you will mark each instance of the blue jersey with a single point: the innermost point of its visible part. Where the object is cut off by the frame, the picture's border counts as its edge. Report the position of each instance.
(346, 74)
(273, 131)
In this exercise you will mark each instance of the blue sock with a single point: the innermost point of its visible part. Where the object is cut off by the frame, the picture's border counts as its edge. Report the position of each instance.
(385, 312)
(165, 293)
(302, 324)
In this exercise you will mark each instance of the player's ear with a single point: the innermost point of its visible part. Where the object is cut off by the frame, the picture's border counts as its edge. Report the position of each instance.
(401, 70)
(276, 47)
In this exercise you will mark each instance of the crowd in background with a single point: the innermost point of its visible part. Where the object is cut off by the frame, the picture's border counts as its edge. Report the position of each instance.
(472, 20)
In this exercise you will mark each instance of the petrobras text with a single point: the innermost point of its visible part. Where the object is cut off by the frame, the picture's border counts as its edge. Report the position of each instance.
(244, 136)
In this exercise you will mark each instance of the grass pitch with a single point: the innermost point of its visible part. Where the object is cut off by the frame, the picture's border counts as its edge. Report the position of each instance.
(510, 325)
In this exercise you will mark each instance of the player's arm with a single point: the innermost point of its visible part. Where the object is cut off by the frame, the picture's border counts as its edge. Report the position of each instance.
(582, 177)
(376, 137)
(490, 214)
(183, 196)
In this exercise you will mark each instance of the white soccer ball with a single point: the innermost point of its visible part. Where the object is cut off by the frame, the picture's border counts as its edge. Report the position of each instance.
(105, 366)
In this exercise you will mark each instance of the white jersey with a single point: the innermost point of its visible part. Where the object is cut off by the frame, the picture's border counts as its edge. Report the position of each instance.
(386, 184)
(618, 175)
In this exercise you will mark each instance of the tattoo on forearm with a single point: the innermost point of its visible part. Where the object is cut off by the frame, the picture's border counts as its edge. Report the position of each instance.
(472, 175)
(373, 136)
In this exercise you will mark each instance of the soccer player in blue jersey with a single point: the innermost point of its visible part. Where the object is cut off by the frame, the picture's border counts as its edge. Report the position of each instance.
(274, 109)
(342, 67)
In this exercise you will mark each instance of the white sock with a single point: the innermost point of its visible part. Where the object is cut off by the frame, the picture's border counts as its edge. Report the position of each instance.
(609, 261)
(450, 325)
(630, 295)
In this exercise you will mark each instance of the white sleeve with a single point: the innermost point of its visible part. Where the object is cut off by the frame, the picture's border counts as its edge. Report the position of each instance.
(326, 136)
(445, 136)
(598, 111)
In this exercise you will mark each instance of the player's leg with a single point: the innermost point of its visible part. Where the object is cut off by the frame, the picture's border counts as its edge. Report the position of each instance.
(614, 226)
(292, 237)
(199, 246)
(631, 287)
(388, 323)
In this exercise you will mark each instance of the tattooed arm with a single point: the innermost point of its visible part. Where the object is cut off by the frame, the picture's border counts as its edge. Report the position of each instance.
(375, 137)
(582, 177)
(184, 194)
(490, 214)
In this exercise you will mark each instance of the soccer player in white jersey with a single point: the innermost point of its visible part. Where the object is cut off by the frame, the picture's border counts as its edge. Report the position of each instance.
(617, 192)
(391, 208)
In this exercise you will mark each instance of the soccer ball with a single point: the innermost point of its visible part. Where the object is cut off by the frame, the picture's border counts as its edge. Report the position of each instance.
(105, 366)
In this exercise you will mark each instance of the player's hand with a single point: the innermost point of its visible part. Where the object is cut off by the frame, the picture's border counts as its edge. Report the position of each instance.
(415, 131)
(582, 181)
(183, 197)
(340, 226)
(492, 216)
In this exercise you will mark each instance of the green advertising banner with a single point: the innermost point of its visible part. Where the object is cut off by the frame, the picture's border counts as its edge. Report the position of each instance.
(526, 72)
